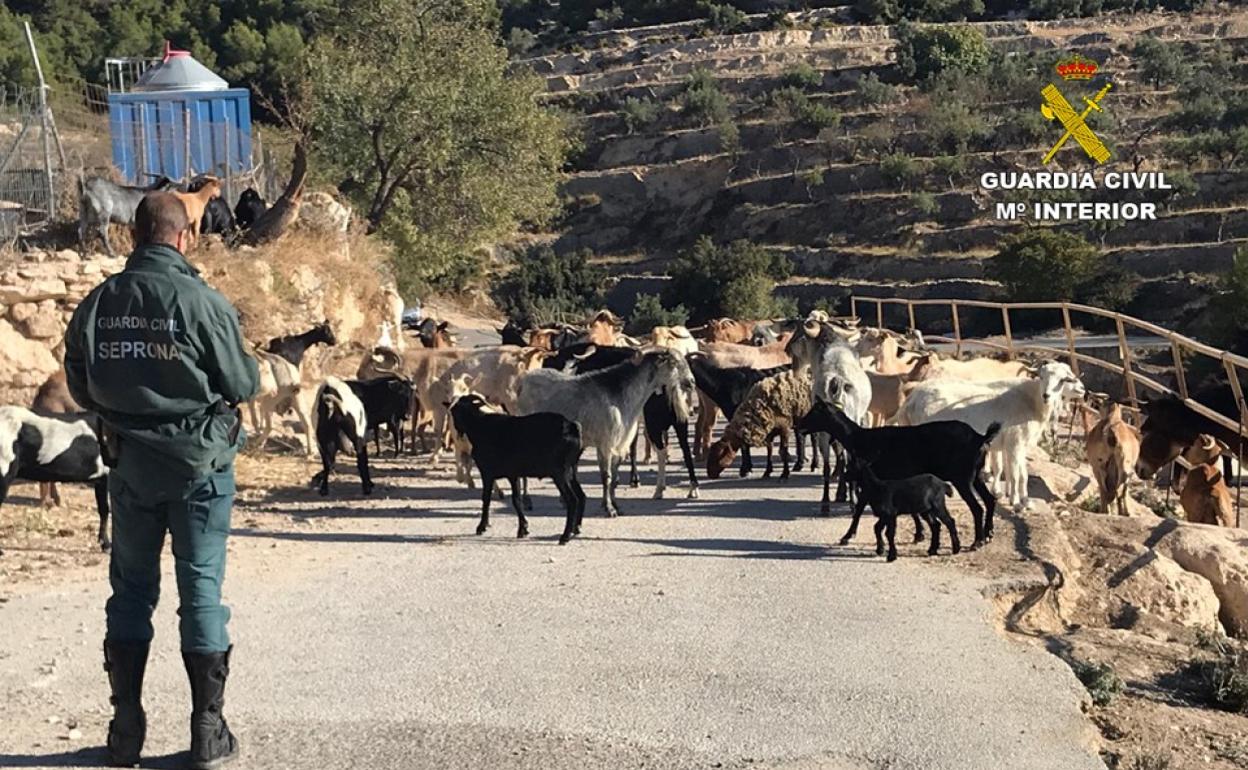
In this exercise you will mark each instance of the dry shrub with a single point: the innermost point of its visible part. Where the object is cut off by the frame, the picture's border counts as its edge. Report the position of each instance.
(286, 286)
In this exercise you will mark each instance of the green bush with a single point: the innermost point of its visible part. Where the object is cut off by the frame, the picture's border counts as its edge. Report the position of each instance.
(900, 169)
(792, 105)
(639, 114)
(801, 75)
(546, 286)
(737, 280)
(893, 11)
(649, 312)
(925, 52)
(1161, 63)
(1228, 307)
(724, 19)
(1100, 680)
(1045, 265)
(952, 167)
(873, 92)
(703, 102)
(1225, 676)
(952, 127)
(925, 203)
(729, 137)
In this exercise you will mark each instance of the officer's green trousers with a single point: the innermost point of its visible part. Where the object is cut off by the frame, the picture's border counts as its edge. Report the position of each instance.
(196, 514)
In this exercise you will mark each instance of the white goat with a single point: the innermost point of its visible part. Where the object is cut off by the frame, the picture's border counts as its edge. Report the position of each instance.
(281, 388)
(607, 404)
(837, 378)
(1022, 406)
(495, 374)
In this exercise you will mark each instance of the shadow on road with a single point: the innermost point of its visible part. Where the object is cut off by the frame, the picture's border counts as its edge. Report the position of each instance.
(89, 757)
(736, 548)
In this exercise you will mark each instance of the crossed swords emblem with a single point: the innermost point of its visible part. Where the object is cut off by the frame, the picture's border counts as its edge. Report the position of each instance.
(1056, 106)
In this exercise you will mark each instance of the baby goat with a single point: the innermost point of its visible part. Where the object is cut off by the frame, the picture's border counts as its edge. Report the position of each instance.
(538, 445)
(921, 495)
(340, 413)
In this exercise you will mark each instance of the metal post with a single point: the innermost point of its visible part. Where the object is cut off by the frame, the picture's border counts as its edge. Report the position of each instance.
(1009, 337)
(1070, 340)
(910, 307)
(879, 314)
(853, 300)
(1179, 375)
(186, 142)
(43, 118)
(1232, 376)
(1125, 354)
(957, 332)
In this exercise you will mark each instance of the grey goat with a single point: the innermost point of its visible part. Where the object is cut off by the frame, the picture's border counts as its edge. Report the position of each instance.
(103, 201)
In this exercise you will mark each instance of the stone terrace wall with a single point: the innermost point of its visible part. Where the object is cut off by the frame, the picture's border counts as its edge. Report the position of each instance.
(38, 294)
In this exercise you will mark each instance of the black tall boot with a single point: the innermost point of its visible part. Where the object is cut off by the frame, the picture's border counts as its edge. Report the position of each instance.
(212, 743)
(125, 663)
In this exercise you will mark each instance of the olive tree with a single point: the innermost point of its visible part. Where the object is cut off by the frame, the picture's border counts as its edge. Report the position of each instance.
(443, 146)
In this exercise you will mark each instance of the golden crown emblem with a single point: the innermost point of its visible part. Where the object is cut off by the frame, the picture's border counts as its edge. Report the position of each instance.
(1077, 68)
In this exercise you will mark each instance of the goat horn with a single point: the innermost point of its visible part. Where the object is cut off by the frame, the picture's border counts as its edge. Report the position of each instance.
(1207, 442)
(811, 328)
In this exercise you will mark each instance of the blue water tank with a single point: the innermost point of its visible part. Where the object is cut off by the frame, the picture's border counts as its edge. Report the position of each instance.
(180, 120)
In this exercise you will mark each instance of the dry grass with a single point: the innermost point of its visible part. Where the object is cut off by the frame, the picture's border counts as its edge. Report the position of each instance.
(286, 286)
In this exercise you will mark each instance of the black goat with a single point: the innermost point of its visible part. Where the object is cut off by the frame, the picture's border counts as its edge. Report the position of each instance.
(54, 448)
(217, 218)
(387, 401)
(514, 334)
(250, 207)
(340, 413)
(541, 445)
(292, 347)
(727, 388)
(949, 449)
(921, 495)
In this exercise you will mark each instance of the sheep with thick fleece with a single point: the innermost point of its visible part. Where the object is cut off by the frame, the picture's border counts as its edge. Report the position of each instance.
(1023, 407)
(771, 406)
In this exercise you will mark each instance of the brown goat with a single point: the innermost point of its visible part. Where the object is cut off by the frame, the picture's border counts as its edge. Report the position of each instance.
(1112, 448)
(196, 202)
(1205, 497)
(53, 397)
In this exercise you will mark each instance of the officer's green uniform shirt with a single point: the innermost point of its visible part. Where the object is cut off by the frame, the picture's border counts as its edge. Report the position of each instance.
(159, 355)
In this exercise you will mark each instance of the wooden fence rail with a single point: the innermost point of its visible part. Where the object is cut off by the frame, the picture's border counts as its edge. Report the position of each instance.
(1123, 324)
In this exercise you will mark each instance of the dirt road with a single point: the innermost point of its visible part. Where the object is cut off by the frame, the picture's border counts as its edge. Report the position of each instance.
(720, 632)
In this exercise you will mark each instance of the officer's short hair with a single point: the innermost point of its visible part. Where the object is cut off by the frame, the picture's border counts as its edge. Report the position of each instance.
(159, 218)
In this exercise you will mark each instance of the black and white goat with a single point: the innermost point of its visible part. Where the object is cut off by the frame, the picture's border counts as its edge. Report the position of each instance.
(534, 446)
(340, 414)
(920, 495)
(292, 347)
(62, 448)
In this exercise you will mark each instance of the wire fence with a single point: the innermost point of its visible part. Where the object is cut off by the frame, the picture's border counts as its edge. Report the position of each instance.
(42, 162)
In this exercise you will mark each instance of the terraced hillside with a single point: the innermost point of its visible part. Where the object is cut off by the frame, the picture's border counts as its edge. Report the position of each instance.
(822, 147)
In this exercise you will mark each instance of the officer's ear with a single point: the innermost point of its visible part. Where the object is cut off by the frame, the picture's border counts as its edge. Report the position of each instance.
(182, 240)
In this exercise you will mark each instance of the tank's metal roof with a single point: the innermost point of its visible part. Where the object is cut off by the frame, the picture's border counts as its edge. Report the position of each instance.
(179, 71)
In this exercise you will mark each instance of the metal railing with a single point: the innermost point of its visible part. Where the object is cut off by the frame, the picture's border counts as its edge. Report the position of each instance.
(1123, 324)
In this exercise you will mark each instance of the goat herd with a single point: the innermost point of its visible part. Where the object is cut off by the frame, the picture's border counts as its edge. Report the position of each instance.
(102, 201)
(905, 427)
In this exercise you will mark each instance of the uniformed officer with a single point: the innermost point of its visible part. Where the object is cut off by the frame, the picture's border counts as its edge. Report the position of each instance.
(159, 356)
